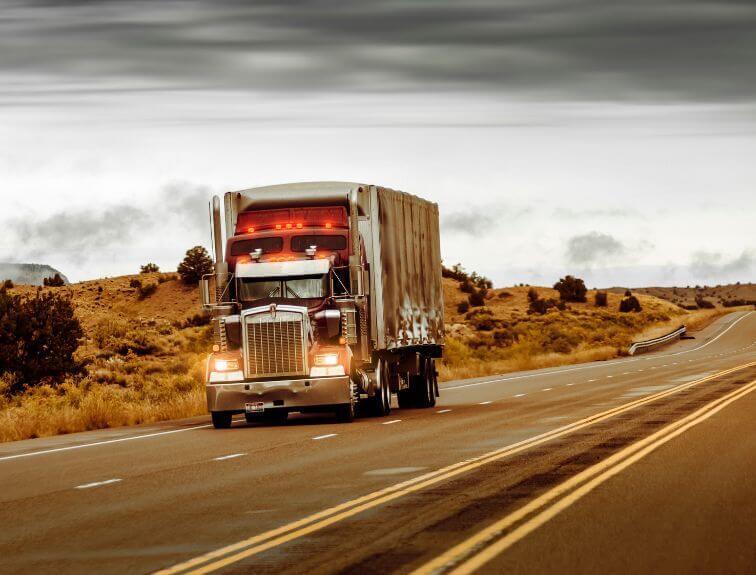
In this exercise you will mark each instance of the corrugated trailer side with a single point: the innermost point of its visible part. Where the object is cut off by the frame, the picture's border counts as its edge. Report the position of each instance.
(406, 270)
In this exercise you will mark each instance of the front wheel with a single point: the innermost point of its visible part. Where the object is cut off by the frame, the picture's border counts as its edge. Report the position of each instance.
(221, 419)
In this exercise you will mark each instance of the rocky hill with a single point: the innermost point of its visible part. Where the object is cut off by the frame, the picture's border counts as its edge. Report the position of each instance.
(31, 274)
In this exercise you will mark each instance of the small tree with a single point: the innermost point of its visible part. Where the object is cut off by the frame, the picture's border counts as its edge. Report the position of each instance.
(54, 281)
(601, 299)
(629, 304)
(38, 337)
(149, 268)
(196, 264)
(571, 289)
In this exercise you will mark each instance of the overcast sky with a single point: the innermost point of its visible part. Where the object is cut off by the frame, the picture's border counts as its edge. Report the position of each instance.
(613, 140)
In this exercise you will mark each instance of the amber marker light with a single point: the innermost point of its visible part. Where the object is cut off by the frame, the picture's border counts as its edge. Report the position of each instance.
(250, 230)
(328, 225)
(278, 226)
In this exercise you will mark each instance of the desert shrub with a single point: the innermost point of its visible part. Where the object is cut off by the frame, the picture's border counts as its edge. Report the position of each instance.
(135, 283)
(601, 299)
(571, 289)
(145, 291)
(463, 307)
(196, 263)
(38, 337)
(8, 284)
(197, 320)
(456, 272)
(630, 304)
(478, 313)
(505, 294)
(533, 295)
(540, 306)
(477, 298)
(466, 286)
(628, 293)
(107, 331)
(149, 268)
(481, 282)
(704, 303)
(162, 278)
(738, 302)
(54, 281)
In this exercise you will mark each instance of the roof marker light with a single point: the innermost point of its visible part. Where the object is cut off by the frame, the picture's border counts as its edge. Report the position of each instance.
(250, 230)
(328, 225)
(288, 226)
(299, 226)
(278, 226)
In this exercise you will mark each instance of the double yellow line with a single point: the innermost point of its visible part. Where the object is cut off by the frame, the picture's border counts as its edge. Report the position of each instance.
(563, 496)
(230, 554)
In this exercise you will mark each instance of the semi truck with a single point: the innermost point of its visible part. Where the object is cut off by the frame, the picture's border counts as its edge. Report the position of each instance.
(325, 297)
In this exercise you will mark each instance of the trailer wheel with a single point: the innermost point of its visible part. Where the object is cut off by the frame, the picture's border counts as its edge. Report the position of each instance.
(221, 419)
(425, 386)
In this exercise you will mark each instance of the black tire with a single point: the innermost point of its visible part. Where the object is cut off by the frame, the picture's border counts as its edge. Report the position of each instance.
(221, 419)
(425, 387)
(345, 413)
(381, 401)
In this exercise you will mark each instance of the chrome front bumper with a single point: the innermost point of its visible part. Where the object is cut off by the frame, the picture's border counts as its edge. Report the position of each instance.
(290, 394)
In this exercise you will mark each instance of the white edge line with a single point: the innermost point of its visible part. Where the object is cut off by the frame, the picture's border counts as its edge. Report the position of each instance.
(106, 442)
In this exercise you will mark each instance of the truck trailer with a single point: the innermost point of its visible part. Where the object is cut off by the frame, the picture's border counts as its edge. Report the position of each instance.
(325, 297)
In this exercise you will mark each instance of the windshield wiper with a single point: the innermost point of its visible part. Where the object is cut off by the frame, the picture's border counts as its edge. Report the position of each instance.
(276, 290)
(292, 292)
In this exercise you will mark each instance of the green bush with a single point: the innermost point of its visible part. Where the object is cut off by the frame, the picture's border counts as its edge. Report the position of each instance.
(630, 304)
(145, 291)
(54, 281)
(38, 337)
(149, 268)
(571, 289)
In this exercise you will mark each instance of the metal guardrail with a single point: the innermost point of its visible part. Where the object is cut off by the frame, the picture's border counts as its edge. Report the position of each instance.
(641, 346)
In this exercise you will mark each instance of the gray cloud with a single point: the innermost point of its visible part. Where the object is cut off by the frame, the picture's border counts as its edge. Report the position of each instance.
(480, 219)
(83, 232)
(593, 247)
(715, 265)
(697, 50)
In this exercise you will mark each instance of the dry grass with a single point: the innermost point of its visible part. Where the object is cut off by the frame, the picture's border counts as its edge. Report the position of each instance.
(503, 337)
(141, 362)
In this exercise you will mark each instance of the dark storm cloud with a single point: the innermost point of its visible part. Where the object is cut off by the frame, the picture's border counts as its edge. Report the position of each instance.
(593, 49)
(592, 247)
(82, 232)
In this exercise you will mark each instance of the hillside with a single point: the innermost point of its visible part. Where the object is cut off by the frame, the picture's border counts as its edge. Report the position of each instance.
(32, 274)
(142, 358)
(721, 296)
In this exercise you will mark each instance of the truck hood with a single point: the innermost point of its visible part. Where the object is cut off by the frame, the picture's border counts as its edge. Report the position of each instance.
(291, 268)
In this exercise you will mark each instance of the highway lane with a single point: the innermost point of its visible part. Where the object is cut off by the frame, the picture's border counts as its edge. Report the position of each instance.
(141, 504)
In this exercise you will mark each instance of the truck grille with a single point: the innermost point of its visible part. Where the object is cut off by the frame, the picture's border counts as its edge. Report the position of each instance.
(275, 344)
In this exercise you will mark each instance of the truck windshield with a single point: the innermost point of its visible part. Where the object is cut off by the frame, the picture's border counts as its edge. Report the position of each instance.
(301, 288)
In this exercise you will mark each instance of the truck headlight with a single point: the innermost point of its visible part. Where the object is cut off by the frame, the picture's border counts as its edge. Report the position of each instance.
(325, 359)
(226, 365)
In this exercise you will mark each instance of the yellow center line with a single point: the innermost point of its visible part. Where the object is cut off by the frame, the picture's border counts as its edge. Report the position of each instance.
(589, 478)
(227, 555)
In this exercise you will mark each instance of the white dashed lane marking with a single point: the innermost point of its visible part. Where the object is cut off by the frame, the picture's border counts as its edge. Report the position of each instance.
(485, 402)
(444, 411)
(521, 395)
(231, 456)
(390, 422)
(547, 389)
(98, 483)
(326, 436)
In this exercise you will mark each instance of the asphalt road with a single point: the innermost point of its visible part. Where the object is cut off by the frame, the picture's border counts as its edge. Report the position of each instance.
(642, 464)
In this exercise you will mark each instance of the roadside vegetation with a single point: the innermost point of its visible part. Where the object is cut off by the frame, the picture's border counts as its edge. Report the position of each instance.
(524, 327)
(127, 355)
